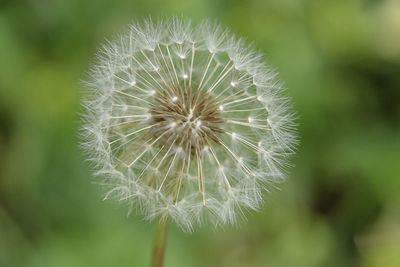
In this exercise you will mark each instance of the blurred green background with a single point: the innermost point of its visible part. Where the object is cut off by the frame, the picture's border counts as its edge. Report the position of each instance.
(341, 205)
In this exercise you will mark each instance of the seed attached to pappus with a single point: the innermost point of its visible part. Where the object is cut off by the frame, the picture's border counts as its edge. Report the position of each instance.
(186, 123)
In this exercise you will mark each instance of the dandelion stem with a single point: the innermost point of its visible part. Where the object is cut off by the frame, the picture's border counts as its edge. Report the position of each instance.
(159, 244)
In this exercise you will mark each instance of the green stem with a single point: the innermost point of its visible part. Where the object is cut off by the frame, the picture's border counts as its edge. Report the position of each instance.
(159, 245)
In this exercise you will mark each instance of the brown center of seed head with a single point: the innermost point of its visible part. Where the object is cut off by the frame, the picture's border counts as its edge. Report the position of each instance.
(185, 119)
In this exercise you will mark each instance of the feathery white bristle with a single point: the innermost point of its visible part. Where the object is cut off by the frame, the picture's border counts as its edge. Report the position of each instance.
(186, 123)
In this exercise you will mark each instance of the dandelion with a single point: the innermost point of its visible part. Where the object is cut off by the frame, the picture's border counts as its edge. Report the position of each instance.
(187, 124)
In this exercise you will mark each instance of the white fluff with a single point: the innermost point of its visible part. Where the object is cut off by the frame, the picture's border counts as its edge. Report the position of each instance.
(159, 177)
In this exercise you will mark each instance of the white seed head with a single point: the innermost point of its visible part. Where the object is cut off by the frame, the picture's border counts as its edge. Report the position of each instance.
(194, 129)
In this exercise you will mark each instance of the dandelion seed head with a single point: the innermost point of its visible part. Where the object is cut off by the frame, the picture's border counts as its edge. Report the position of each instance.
(186, 123)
